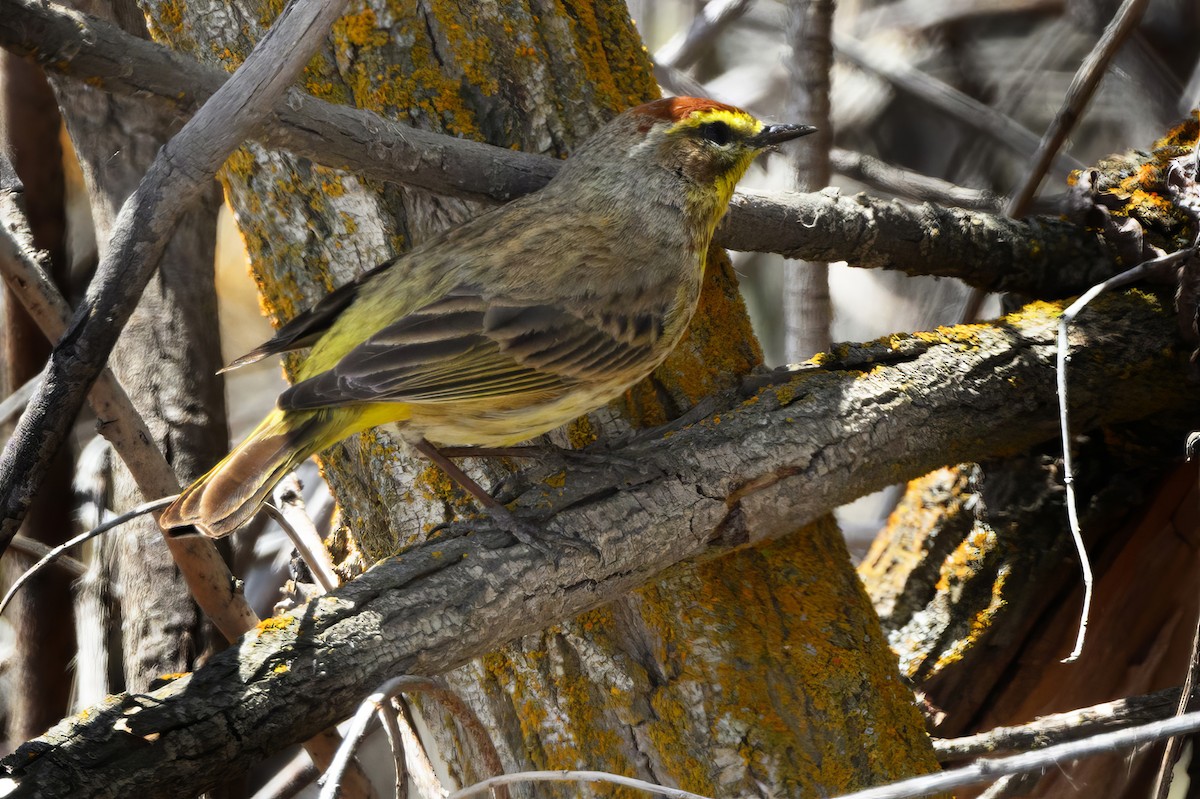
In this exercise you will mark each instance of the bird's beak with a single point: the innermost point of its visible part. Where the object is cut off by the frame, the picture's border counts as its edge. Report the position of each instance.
(777, 134)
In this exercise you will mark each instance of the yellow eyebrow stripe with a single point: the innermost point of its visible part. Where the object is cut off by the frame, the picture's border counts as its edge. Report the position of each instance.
(743, 124)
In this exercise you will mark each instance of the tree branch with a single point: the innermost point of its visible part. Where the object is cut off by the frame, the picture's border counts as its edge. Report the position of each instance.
(1037, 257)
(803, 444)
(1043, 257)
(1054, 728)
(203, 567)
(147, 219)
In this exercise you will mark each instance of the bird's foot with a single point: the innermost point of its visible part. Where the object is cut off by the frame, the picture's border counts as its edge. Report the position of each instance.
(538, 537)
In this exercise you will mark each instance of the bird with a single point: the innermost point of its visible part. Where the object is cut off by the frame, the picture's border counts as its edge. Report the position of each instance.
(512, 324)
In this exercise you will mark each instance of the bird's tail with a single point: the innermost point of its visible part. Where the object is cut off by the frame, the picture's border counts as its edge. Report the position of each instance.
(231, 493)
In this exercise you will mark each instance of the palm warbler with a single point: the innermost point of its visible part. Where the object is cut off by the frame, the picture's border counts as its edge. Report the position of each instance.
(513, 324)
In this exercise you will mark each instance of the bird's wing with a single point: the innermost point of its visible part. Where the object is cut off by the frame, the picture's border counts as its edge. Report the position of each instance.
(307, 326)
(466, 346)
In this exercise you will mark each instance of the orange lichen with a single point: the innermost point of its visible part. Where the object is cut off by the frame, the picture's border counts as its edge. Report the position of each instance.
(360, 30)
(778, 618)
(276, 623)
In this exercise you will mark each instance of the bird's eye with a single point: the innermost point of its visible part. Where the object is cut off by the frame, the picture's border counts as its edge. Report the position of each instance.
(718, 133)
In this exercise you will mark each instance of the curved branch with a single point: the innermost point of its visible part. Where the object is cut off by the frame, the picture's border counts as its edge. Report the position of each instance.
(804, 443)
(1040, 257)
(182, 169)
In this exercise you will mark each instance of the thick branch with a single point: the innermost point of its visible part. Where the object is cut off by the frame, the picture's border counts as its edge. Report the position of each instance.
(757, 469)
(1039, 257)
(179, 173)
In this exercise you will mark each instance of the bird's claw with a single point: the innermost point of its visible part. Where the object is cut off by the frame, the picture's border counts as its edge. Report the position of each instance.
(542, 539)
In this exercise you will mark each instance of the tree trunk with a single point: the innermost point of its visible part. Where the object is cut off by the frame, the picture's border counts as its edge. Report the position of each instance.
(764, 667)
(43, 642)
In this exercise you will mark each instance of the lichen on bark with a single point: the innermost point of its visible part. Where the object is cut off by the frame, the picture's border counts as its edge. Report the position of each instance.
(542, 76)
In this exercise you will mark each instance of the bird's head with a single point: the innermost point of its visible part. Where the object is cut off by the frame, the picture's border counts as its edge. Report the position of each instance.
(682, 150)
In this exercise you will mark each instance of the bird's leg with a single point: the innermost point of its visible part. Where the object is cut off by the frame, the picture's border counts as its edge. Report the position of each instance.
(458, 475)
(597, 458)
(523, 531)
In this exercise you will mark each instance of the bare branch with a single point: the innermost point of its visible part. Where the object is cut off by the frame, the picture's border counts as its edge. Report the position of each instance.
(1063, 358)
(803, 444)
(1037, 257)
(685, 48)
(206, 573)
(1055, 728)
(807, 306)
(288, 511)
(909, 184)
(36, 549)
(1083, 86)
(179, 173)
(54, 554)
(965, 109)
(594, 777)
(983, 771)
(1064, 261)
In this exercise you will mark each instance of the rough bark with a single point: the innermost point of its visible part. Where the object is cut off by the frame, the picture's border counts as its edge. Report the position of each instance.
(748, 474)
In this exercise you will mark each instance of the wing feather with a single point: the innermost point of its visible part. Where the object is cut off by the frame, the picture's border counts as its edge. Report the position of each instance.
(307, 326)
(466, 346)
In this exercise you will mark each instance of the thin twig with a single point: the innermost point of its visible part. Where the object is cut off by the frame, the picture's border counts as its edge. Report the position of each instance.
(685, 48)
(331, 780)
(962, 107)
(1064, 358)
(467, 720)
(36, 549)
(15, 402)
(378, 702)
(1056, 728)
(907, 183)
(920, 15)
(986, 770)
(1187, 701)
(600, 777)
(1083, 86)
(290, 779)
(981, 771)
(288, 511)
(395, 739)
(1011, 785)
(53, 554)
(421, 770)
(1166, 766)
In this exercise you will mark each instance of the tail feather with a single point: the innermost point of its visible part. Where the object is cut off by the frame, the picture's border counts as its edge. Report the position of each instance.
(231, 493)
